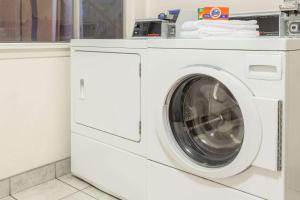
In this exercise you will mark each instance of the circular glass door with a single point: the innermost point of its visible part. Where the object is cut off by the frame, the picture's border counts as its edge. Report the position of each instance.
(206, 121)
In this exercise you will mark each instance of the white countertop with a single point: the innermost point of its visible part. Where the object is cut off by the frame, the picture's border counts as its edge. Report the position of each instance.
(247, 44)
(111, 43)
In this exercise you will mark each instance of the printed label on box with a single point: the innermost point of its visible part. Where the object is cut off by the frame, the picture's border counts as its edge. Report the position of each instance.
(213, 13)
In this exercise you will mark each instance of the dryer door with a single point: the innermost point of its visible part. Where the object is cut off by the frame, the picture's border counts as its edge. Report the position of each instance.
(211, 124)
(107, 92)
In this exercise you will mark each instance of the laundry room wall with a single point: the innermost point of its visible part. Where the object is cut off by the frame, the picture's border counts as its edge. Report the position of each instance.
(156, 6)
(35, 100)
(34, 106)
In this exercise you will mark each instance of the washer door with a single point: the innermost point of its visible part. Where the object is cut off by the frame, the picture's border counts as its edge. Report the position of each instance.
(211, 125)
(206, 121)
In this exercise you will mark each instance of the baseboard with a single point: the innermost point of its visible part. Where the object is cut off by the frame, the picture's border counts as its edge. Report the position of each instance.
(34, 177)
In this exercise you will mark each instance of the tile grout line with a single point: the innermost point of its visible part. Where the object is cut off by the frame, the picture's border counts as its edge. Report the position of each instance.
(72, 185)
(100, 191)
(9, 187)
(78, 190)
(13, 198)
(55, 169)
(88, 194)
(68, 195)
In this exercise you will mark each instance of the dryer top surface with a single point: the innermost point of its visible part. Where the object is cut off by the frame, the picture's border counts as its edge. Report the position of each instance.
(110, 43)
(244, 44)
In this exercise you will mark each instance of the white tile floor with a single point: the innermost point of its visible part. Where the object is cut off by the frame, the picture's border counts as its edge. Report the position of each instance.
(64, 188)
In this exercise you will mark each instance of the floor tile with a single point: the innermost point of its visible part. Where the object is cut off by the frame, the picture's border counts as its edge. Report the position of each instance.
(8, 198)
(63, 167)
(4, 188)
(32, 178)
(99, 195)
(74, 182)
(79, 196)
(52, 190)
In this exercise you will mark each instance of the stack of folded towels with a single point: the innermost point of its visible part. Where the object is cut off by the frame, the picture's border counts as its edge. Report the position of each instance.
(219, 28)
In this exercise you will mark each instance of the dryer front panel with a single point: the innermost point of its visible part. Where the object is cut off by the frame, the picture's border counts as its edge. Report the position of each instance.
(107, 92)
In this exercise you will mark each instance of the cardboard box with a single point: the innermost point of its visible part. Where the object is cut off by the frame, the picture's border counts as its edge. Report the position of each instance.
(213, 13)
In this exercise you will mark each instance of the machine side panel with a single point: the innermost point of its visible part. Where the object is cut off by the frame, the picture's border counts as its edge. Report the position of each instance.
(292, 126)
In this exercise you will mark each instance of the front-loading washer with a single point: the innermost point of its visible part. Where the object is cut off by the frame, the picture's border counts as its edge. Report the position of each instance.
(223, 119)
(108, 139)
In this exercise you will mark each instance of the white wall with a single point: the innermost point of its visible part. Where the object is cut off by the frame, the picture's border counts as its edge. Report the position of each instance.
(34, 106)
(35, 100)
(156, 6)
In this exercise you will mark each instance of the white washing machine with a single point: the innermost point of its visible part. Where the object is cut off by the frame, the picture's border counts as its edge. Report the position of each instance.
(223, 119)
(108, 140)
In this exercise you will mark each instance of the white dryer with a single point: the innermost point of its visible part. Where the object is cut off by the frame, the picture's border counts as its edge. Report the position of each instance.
(223, 119)
(108, 141)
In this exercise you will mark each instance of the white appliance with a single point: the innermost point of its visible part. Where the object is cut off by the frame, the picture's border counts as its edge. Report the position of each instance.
(223, 119)
(108, 141)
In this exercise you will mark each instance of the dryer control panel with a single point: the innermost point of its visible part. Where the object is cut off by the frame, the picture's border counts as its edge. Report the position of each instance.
(146, 28)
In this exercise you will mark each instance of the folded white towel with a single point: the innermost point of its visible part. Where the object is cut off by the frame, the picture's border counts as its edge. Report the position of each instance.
(219, 34)
(230, 22)
(220, 28)
(224, 24)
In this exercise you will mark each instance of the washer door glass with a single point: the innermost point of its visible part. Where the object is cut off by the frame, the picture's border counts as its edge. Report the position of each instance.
(206, 121)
